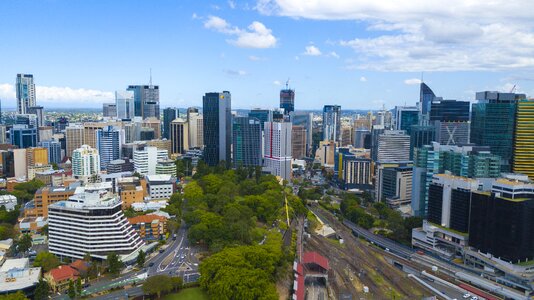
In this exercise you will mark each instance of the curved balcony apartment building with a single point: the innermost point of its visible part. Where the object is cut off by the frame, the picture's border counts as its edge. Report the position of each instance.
(90, 222)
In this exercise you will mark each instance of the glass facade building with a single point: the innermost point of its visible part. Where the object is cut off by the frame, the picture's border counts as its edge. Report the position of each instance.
(217, 127)
(421, 135)
(263, 115)
(246, 140)
(523, 158)
(287, 100)
(426, 97)
(23, 137)
(331, 123)
(146, 100)
(406, 117)
(169, 114)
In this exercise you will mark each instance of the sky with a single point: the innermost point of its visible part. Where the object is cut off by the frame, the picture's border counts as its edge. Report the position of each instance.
(360, 54)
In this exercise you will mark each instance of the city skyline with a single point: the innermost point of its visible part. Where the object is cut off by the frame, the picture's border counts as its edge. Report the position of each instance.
(355, 54)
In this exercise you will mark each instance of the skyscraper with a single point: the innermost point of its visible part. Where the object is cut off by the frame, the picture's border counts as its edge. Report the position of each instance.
(109, 110)
(493, 123)
(179, 135)
(146, 100)
(298, 141)
(54, 150)
(196, 129)
(523, 158)
(23, 137)
(263, 115)
(305, 119)
(331, 123)
(74, 136)
(451, 119)
(39, 113)
(287, 99)
(109, 141)
(393, 145)
(426, 97)
(169, 114)
(217, 127)
(421, 135)
(124, 101)
(145, 161)
(277, 149)
(25, 90)
(85, 161)
(246, 140)
(405, 117)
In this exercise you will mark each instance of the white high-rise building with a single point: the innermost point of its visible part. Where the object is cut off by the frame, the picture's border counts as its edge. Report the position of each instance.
(277, 149)
(393, 145)
(196, 130)
(91, 221)
(145, 161)
(25, 89)
(85, 161)
(124, 101)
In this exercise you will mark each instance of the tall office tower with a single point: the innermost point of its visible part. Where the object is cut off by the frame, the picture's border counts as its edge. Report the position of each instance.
(196, 129)
(179, 135)
(468, 161)
(22, 136)
(493, 123)
(346, 136)
(287, 99)
(3, 135)
(523, 159)
(421, 135)
(169, 114)
(393, 145)
(161, 144)
(1, 118)
(246, 141)
(74, 136)
(277, 150)
(124, 102)
(298, 141)
(25, 93)
(359, 135)
(36, 156)
(109, 110)
(45, 133)
(406, 117)
(90, 222)
(85, 161)
(426, 97)
(451, 119)
(38, 111)
(384, 118)
(500, 222)
(54, 150)
(217, 108)
(14, 163)
(264, 115)
(90, 128)
(146, 100)
(145, 160)
(278, 115)
(331, 123)
(109, 142)
(29, 120)
(393, 184)
(146, 134)
(354, 169)
(305, 119)
(448, 201)
(60, 124)
(154, 124)
(376, 131)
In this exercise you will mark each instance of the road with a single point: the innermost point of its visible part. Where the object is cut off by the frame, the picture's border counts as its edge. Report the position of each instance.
(177, 259)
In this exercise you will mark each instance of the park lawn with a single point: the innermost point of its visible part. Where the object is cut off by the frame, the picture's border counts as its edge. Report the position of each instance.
(188, 294)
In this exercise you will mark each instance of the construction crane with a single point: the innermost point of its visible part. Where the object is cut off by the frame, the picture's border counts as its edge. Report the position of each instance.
(513, 89)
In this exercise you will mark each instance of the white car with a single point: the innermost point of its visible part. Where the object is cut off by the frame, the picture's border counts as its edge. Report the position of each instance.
(466, 296)
(474, 298)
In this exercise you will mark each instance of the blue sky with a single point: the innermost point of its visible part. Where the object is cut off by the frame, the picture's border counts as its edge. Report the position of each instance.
(359, 53)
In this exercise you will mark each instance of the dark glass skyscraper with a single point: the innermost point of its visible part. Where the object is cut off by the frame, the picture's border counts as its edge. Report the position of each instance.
(169, 114)
(405, 117)
(421, 135)
(246, 140)
(426, 96)
(23, 137)
(287, 100)
(217, 127)
(109, 141)
(146, 100)
(492, 123)
(263, 115)
(451, 119)
(331, 123)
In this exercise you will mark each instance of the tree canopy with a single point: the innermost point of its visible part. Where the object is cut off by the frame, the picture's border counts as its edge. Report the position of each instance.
(46, 260)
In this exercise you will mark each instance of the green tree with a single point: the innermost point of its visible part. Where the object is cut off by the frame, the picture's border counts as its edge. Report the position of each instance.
(42, 291)
(79, 286)
(46, 260)
(44, 230)
(141, 259)
(87, 257)
(193, 192)
(114, 263)
(19, 295)
(7, 231)
(177, 283)
(72, 290)
(158, 284)
(24, 243)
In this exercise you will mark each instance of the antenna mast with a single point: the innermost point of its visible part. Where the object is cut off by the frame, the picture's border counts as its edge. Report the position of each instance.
(150, 77)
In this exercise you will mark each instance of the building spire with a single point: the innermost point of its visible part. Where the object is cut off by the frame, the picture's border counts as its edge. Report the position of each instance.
(150, 77)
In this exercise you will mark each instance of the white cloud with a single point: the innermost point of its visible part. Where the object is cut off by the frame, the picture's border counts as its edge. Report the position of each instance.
(425, 35)
(312, 51)
(277, 82)
(412, 81)
(363, 79)
(333, 54)
(54, 94)
(255, 58)
(231, 4)
(297, 57)
(235, 72)
(255, 36)
(195, 16)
